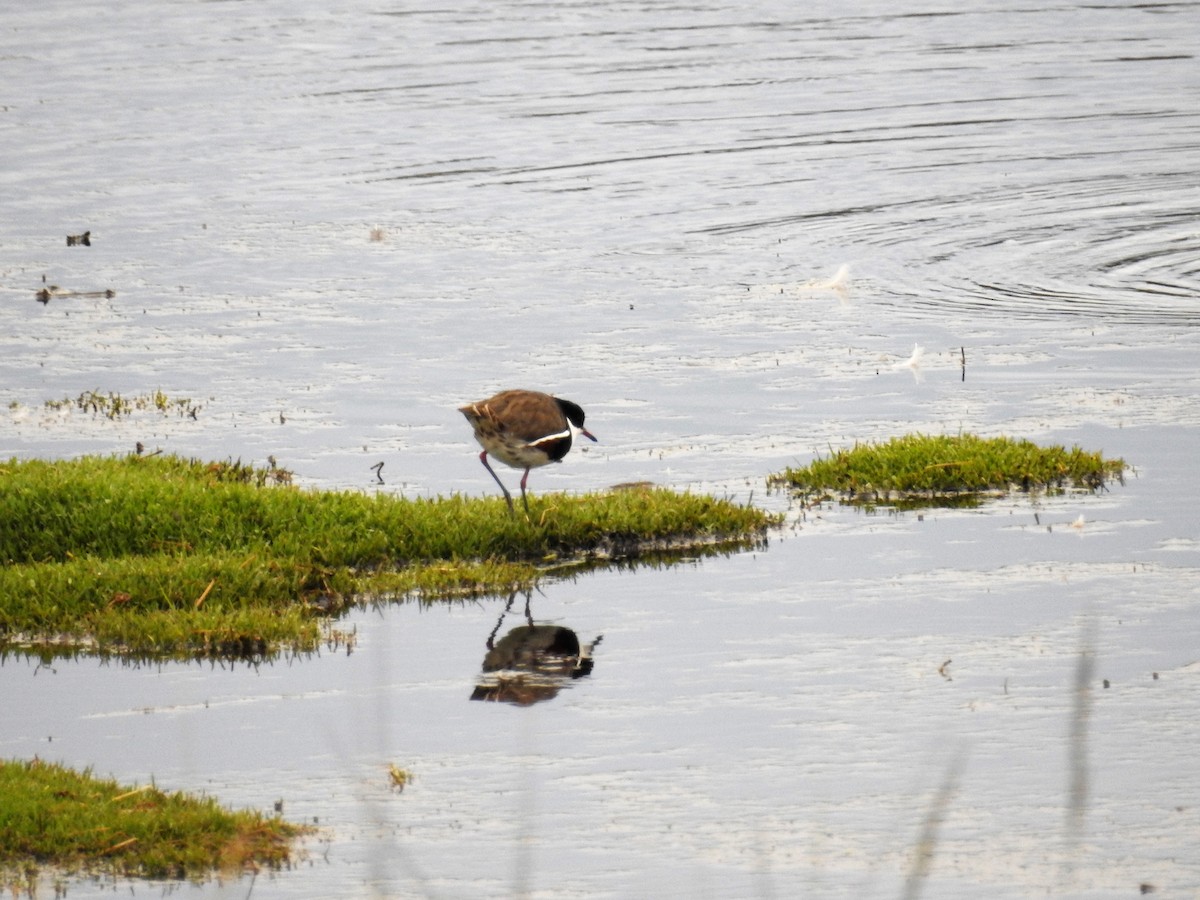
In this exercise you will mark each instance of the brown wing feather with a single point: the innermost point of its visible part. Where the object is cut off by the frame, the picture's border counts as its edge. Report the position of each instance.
(520, 428)
(529, 415)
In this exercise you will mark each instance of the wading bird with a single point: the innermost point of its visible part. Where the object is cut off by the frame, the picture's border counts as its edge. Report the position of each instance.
(524, 429)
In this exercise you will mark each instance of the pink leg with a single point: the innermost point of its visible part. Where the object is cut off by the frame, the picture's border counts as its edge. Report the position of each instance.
(525, 478)
(507, 495)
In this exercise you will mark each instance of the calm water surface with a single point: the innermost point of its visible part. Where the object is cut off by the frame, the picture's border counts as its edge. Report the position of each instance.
(722, 230)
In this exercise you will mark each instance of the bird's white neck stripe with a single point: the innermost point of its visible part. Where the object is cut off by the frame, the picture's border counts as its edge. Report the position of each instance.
(550, 438)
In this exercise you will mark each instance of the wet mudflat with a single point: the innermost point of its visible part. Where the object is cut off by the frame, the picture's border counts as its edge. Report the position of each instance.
(329, 229)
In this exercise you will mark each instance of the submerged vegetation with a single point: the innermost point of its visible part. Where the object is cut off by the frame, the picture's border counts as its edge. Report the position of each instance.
(920, 467)
(158, 556)
(51, 815)
(115, 406)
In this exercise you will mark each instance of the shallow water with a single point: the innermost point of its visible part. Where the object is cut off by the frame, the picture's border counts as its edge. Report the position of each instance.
(641, 207)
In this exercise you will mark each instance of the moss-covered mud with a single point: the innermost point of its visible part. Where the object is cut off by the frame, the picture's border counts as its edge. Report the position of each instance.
(69, 822)
(161, 557)
(947, 470)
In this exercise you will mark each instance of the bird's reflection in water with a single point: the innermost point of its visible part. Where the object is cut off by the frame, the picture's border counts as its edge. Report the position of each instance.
(532, 662)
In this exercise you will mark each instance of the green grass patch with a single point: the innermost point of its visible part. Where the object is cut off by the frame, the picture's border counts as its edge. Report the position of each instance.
(160, 556)
(54, 816)
(932, 469)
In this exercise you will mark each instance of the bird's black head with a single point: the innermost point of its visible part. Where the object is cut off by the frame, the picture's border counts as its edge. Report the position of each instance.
(574, 414)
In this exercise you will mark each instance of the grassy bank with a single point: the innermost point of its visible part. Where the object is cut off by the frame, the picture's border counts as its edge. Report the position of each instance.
(921, 467)
(54, 816)
(161, 556)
